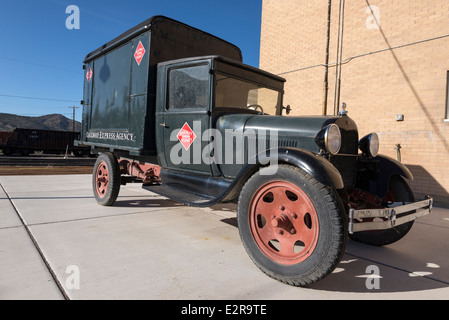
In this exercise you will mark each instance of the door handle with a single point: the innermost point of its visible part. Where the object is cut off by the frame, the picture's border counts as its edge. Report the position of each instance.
(163, 125)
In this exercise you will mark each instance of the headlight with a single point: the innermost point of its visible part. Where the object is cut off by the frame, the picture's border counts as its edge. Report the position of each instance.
(369, 144)
(329, 139)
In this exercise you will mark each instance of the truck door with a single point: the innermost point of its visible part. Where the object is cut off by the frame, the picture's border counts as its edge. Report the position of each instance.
(186, 116)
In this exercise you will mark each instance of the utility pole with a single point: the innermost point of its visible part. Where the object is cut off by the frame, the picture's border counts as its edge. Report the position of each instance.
(326, 65)
(341, 22)
(74, 116)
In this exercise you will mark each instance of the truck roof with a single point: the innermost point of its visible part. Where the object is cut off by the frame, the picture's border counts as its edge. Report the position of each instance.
(139, 29)
(228, 61)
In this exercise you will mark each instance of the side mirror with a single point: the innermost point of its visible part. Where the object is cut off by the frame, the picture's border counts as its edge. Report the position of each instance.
(288, 109)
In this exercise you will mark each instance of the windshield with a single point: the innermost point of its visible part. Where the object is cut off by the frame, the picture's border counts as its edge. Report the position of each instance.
(236, 93)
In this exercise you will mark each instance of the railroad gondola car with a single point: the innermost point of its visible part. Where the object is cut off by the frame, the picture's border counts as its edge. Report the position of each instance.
(26, 141)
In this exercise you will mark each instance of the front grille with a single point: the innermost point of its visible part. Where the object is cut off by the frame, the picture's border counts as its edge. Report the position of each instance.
(347, 166)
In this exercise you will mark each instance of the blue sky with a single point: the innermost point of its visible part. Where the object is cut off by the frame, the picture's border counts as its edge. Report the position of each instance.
(41, 58)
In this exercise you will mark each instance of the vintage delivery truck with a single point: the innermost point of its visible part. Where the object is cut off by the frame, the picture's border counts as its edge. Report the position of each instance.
(175, 108)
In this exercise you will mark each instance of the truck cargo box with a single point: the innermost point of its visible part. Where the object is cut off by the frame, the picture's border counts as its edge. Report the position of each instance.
(120, 82)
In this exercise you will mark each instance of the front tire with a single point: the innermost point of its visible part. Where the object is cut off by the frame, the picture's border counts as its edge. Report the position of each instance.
(291, 226)
(106, 179)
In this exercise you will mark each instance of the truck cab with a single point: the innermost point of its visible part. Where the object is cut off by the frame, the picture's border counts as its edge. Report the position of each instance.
(214, 97)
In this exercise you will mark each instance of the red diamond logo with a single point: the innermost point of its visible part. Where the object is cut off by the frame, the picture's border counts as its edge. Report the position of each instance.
(140, 52)
(89, 74)
(186, 136)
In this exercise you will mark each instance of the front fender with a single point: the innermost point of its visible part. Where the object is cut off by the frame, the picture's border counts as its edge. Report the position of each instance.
(373, 175)
(316, 166)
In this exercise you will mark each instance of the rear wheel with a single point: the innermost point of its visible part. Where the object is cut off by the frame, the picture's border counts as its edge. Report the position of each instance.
(106, 179)
(291, 226)
(398, 191)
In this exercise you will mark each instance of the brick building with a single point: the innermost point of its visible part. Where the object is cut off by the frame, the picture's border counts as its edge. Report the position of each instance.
(395, 62)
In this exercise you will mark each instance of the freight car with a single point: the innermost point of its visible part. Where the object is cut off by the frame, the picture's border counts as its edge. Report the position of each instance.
(4, 136)
(26, 141)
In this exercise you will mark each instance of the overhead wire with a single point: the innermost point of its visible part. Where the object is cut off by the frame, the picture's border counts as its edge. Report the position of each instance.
(38, 115)
(43, 66)
(36, 98)
(40, 65)
(331, 65)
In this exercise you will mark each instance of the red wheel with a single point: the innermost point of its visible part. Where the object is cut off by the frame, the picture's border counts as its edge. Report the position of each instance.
(106, 179)
(101, 179)
(283, 222)
(292, 226)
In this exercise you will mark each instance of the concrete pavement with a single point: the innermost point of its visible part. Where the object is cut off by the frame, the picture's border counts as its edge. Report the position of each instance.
(56, 243)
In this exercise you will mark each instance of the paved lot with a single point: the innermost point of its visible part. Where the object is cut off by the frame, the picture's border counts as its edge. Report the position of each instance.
(52, 234)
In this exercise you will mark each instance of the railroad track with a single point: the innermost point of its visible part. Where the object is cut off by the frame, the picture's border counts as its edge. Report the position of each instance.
(41, 161)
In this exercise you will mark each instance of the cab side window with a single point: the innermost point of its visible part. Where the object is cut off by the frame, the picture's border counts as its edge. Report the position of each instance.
(189, 88)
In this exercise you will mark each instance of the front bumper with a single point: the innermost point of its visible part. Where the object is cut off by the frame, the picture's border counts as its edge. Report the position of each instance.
(389, 217)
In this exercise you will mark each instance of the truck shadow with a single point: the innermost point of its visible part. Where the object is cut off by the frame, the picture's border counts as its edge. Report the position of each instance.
(423, 178)
(363, 268)
(415, 263)
(145, 202)
(362, 275)
(374, 275)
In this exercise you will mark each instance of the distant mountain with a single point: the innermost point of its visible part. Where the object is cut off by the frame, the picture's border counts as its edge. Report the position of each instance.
(9, 122)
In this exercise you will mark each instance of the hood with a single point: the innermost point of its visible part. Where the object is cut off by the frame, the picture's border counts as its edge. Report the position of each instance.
(294, 132)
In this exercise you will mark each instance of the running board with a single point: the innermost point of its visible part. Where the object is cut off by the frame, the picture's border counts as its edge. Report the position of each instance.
(180, 195)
